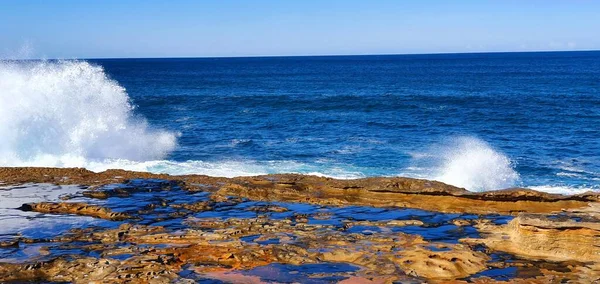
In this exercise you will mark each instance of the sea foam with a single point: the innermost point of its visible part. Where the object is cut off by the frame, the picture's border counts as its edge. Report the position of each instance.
(467, 162)
(69, 113)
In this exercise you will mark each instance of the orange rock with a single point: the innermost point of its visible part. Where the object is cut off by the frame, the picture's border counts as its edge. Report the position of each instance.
(538, 237)
(78, 208)
(456, 262)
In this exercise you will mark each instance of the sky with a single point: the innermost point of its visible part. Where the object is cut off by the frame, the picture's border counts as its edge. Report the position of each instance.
(224, 28)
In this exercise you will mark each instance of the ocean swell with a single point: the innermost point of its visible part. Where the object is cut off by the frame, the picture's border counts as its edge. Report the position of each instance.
(71, 114)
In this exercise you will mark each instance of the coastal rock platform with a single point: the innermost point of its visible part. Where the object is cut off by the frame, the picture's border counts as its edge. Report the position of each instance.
(74, 225)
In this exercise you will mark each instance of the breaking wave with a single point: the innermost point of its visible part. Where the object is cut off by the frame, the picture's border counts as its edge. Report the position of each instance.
(466, 162)
(69, 113)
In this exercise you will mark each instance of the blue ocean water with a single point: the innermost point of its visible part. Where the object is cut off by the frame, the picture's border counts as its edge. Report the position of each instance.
(480, 121)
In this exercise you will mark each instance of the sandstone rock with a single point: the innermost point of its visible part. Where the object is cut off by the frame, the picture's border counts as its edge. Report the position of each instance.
(380, 191)
(456, 262)
(154, 254)
(538, 237)
(461, 222)
(196, 207)
(78, 208)
(267, 208)
(84, 270)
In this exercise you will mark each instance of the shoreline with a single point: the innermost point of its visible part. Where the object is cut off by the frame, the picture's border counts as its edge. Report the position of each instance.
(400, 192)
(545, 237)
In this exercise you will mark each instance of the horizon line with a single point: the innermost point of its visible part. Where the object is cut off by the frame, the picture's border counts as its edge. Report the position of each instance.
(315, 55)
(341, 55)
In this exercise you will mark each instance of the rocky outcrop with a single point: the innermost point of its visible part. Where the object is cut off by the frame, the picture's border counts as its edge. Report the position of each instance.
(164, 238)
(157, 255)
(380, 191)
(90, 270)
(76, 208)
(195, 207)
(539, 237)
(566, 239)
(448, 262)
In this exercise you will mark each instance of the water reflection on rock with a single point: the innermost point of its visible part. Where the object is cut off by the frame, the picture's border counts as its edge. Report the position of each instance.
(158, 230)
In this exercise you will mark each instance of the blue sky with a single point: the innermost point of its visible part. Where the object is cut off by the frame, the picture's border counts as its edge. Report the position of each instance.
(129, 28)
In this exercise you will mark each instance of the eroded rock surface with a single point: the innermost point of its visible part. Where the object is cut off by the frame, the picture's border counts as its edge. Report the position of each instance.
(184, 229)
(380, 191)
(539, 237)
(76, 208)
(448, 262)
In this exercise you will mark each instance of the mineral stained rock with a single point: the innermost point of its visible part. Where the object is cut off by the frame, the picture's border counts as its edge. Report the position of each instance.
(538, 237)
(456, 262)
(558, 239)
(89, 270)
(76, 208)
(183, 229)
(379, 191)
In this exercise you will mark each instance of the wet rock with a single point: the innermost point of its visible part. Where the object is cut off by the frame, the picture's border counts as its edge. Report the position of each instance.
(539, 237)
(380, 191)
(392, 223)
(564, 230)
(590, 213)
(405, 223)
(321, 215)
(267, 208)
(196, 207)
(394, 192)
(77, 208)
(9, 243)
(462, 222)
(300, 218)
(455, 262)
(88, 269)
(100, 194)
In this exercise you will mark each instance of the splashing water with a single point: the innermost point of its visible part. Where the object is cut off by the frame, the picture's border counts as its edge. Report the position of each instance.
(470, 163)
(70, 114)
(67, 113)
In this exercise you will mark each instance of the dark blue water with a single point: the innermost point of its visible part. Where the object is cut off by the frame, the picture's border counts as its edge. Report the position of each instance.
(358, 116)
(478, 121)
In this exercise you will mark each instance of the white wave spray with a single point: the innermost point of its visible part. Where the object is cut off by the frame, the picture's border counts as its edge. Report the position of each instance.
(467, 162)
(69, 113)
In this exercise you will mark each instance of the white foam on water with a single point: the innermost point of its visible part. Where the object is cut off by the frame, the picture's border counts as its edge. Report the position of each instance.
(68, 113)
(71, 114)
(564, 189)
(228, 168)
(466, 162)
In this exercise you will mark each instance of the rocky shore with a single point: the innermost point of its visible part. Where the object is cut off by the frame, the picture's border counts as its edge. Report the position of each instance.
(142, 227)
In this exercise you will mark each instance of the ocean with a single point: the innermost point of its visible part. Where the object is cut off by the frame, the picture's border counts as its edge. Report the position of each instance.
(480, 121)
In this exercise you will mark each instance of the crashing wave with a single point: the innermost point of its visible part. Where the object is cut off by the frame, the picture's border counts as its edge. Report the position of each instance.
(68, 113)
